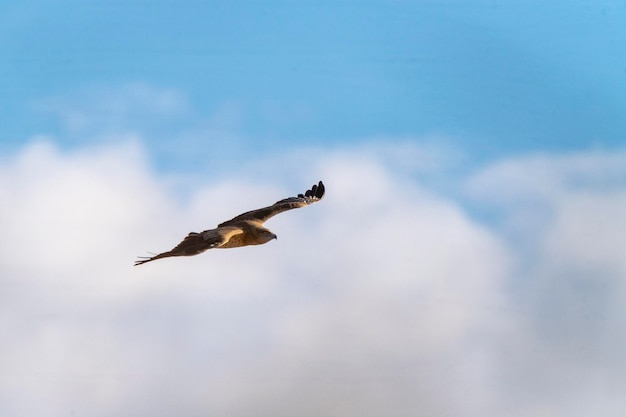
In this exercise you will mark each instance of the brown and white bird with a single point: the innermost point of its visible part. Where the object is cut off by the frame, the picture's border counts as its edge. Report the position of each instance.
(243, 230)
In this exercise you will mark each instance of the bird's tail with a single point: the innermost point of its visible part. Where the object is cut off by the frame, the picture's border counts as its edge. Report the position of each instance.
(143, 259)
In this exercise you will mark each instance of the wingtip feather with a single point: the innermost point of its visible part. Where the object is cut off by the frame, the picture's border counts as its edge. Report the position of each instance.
(319, 193)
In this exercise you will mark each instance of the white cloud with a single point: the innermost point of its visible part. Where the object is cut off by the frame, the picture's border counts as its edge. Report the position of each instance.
(384, 299)
(565, 216)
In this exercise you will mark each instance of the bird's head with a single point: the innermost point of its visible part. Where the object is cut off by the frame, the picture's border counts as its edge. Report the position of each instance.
(266, 235)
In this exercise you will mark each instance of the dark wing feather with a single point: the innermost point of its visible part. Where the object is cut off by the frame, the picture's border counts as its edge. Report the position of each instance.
(193, 244)
(315, 194)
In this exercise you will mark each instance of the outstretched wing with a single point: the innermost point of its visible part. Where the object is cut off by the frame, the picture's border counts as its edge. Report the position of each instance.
(196, 243)
(315, 194)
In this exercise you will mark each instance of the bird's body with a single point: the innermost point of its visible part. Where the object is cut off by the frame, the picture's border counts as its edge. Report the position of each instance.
(243, 230)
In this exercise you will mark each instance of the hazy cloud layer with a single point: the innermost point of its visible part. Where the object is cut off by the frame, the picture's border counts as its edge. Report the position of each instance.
(385, 299)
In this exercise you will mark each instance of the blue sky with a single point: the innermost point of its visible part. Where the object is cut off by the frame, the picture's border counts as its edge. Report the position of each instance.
(496, 77)
(466, 260)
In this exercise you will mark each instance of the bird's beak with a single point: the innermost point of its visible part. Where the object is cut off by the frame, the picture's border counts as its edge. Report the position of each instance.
(275, 237)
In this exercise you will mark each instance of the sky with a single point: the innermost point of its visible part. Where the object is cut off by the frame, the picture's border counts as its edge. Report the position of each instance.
(466, 260)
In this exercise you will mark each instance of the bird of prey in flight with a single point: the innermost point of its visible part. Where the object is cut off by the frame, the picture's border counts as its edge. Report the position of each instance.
(243, 230)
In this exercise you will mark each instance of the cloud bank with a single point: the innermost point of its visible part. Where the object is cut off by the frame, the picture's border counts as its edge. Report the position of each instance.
(388, 298)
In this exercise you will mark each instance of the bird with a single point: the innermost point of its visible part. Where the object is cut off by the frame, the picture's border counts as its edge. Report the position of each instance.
(242, 230)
